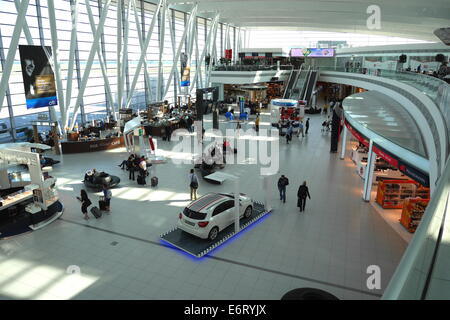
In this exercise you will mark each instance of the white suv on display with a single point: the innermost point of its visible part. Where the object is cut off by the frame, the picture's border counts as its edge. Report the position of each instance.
(213, 212)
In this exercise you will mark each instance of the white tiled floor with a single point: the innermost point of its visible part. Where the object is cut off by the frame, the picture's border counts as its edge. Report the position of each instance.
(327, 247)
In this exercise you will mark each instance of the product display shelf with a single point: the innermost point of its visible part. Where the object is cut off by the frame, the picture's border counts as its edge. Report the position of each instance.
(413, 210)
(392, 193)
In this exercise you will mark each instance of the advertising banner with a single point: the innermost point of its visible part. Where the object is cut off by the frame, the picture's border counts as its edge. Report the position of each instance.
(228, 53)
(312, 52)
(186, 77)
(38, 76)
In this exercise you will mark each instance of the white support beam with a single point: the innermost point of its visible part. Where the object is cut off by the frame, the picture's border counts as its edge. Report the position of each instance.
(162, 33)
(26, 30)
(73, 44)
(125, 50)
(143, 54)
(212, 55)
(20, 20)
(101, 59)
(368, 174)
(87, 71)
(190, 43)
(192, 18)
(57, 68)
(174, 45)
(198, 80)
(198, 68)
(119, 55)
(141, 44)
(344, 142)
(227, 37)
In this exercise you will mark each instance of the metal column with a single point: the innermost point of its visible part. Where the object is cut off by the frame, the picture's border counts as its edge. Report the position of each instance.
(93, 50)
(119, 54)
(162, 33)
(368, 175)
(143, 54)
(180, 46)
(57, 69)
(344, 142)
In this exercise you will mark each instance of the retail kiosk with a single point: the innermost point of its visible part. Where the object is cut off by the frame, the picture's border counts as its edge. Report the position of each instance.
(29, 207)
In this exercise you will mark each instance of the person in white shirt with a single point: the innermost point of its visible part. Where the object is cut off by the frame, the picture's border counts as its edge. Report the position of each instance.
(193, 184)
(143, 167)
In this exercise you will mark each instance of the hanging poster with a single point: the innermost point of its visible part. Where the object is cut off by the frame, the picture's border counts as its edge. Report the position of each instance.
(38, 76)
(185, 77)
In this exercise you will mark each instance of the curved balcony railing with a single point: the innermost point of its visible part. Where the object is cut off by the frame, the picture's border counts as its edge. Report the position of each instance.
(435, 88)
(251, 68)
(423, 271)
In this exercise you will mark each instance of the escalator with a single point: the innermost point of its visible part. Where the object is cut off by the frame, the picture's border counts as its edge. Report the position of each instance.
(310, 86)
(298, 89)
(301, 85)
(291, 82)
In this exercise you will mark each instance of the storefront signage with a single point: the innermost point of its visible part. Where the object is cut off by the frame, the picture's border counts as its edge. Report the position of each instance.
(357, 135)
(386, 156)
(415, 174)
(394, 161)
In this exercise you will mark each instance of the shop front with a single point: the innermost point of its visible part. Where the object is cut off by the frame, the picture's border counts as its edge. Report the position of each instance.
(397, 189)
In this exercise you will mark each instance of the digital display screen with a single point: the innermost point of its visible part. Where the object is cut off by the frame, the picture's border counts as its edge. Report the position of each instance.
(312, 52)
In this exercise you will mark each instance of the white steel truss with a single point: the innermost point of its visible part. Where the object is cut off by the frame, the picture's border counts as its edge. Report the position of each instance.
(70, 106)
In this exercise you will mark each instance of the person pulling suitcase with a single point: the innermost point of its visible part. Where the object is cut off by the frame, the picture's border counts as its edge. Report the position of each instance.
(107, 195)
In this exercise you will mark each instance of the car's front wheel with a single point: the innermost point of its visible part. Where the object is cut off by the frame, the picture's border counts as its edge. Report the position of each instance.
(248, 212)
(213, 233)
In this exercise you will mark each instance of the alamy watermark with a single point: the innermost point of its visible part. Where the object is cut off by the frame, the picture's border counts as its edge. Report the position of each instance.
(237, 146)
(374, 280)
(373, 22)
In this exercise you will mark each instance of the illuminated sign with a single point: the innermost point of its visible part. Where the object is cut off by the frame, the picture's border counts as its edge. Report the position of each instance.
(312, 52)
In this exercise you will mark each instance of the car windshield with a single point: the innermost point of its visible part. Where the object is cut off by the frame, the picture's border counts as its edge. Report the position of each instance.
(194, 214)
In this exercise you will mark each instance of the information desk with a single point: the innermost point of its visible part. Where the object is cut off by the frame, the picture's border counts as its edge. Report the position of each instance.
(92, 145)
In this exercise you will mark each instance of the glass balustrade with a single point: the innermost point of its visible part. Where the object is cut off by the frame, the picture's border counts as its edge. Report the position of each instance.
(435, 88)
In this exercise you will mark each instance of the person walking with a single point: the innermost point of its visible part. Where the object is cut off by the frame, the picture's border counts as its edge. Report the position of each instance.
(85, 203)
(307, 126)
(257, 123)
(289, 133)
(301, 129)
(302, 193)
(282, 183)
(143, 166)
(193, 184)
(168, 132)
(107, 195)
(132, 168)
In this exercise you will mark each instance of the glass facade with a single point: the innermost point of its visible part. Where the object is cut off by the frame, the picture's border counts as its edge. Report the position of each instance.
(95, 103)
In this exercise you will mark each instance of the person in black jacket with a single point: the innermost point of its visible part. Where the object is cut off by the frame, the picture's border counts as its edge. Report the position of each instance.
(85, 203)
(282, 183)
(302, 193)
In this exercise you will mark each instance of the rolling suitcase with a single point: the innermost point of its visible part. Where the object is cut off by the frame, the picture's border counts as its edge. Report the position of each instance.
(141, 180)
(102, 205)
(154, 181)
(96, 212)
